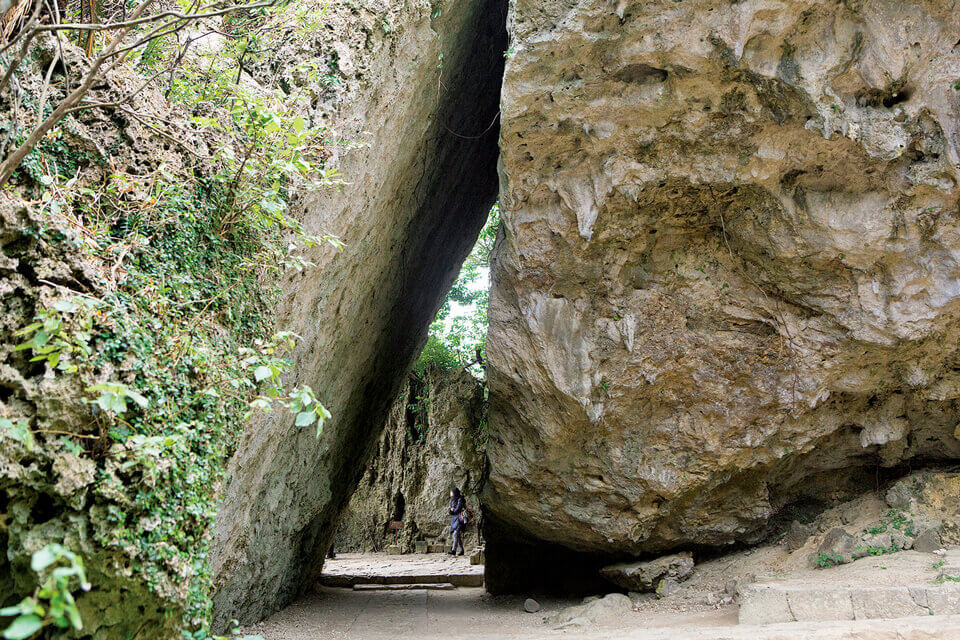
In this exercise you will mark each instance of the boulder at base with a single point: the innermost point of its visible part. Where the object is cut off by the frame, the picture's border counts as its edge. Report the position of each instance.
(646, 576)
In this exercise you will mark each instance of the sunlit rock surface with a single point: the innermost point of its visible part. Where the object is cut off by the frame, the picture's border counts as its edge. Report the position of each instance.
(729, 270)
(417, 91)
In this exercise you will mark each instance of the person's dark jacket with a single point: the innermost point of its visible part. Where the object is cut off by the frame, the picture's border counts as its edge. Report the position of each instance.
(457, 505)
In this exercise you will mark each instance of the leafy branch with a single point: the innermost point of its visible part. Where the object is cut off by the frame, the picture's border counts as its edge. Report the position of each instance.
(52, 603)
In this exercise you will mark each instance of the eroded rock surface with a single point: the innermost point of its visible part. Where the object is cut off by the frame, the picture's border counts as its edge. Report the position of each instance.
(419, 88)
(432, 442)
(647, 575)
(729, 265)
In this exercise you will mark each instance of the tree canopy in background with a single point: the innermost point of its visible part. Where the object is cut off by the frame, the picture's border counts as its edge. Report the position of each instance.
(458, 334)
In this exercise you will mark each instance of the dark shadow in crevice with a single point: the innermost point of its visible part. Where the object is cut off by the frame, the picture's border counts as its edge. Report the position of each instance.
(459, 184)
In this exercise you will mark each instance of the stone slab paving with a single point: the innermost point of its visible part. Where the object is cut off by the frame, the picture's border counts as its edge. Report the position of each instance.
(900, 585)
(428, 586)
(923, 628)
(350, 569)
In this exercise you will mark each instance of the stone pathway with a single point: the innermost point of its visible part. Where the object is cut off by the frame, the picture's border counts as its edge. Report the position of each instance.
(469, 613)
(351, 569)
(900, 585)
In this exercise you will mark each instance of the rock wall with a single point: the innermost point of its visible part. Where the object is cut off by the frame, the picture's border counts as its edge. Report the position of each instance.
(420, 90)
(729, 267)
(135, 509)
(432, 441)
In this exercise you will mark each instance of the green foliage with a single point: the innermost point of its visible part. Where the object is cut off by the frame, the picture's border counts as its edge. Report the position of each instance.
(113, 397)
(456, 339)
(827, 560)
(19, 432)
(177, 351)
(60, 335)
(480, 435)
(874, 550)
(419, 409)
(59, 573)
(436, 354)
(894, 519)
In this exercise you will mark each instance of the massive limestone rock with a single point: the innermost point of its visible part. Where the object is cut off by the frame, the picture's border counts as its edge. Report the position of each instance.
(433, 440)
(730, 264)
(418, 89)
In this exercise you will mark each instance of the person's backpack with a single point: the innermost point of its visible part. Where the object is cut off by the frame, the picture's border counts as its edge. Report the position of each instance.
(466, 516)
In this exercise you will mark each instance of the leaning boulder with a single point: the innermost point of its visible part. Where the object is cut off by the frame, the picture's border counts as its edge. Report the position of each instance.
(797, 535)
(646, 576)
(727, 273)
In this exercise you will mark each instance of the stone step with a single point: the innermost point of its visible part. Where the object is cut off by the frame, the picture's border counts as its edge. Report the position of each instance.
(350, 569)
(773, 603)
(349, 580)
(922, 628)
(428, 586)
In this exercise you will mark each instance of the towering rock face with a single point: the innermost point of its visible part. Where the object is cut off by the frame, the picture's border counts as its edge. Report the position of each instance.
(433, 440)
(730, 265)
(420, 88)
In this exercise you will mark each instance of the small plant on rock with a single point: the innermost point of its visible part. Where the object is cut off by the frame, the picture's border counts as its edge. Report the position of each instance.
(827, 560)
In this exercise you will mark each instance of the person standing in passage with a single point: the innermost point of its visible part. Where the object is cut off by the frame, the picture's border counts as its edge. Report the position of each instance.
(457, 505)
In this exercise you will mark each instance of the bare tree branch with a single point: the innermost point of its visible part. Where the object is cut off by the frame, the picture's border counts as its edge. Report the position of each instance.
(176, 15)
(31, 29)
(164, 23)
(13, 161)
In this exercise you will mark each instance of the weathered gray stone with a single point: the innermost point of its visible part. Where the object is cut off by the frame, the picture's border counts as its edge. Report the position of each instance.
(838, 545)
(416, 586)
(477, 557)
(430, 444)
(415, 194)
(762, 604)
(773, 603)
(531, 606)
(944, 600)
(596, 611)
(888, 602)
(727, 272)
(871, 542)
(645, 576)
(928, 541)
(667, 587)
(797, 535)
(815, 605)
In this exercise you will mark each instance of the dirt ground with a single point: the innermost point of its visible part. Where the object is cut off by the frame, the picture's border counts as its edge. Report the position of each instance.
(470, 614)
(701, 609)
(696, 611)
